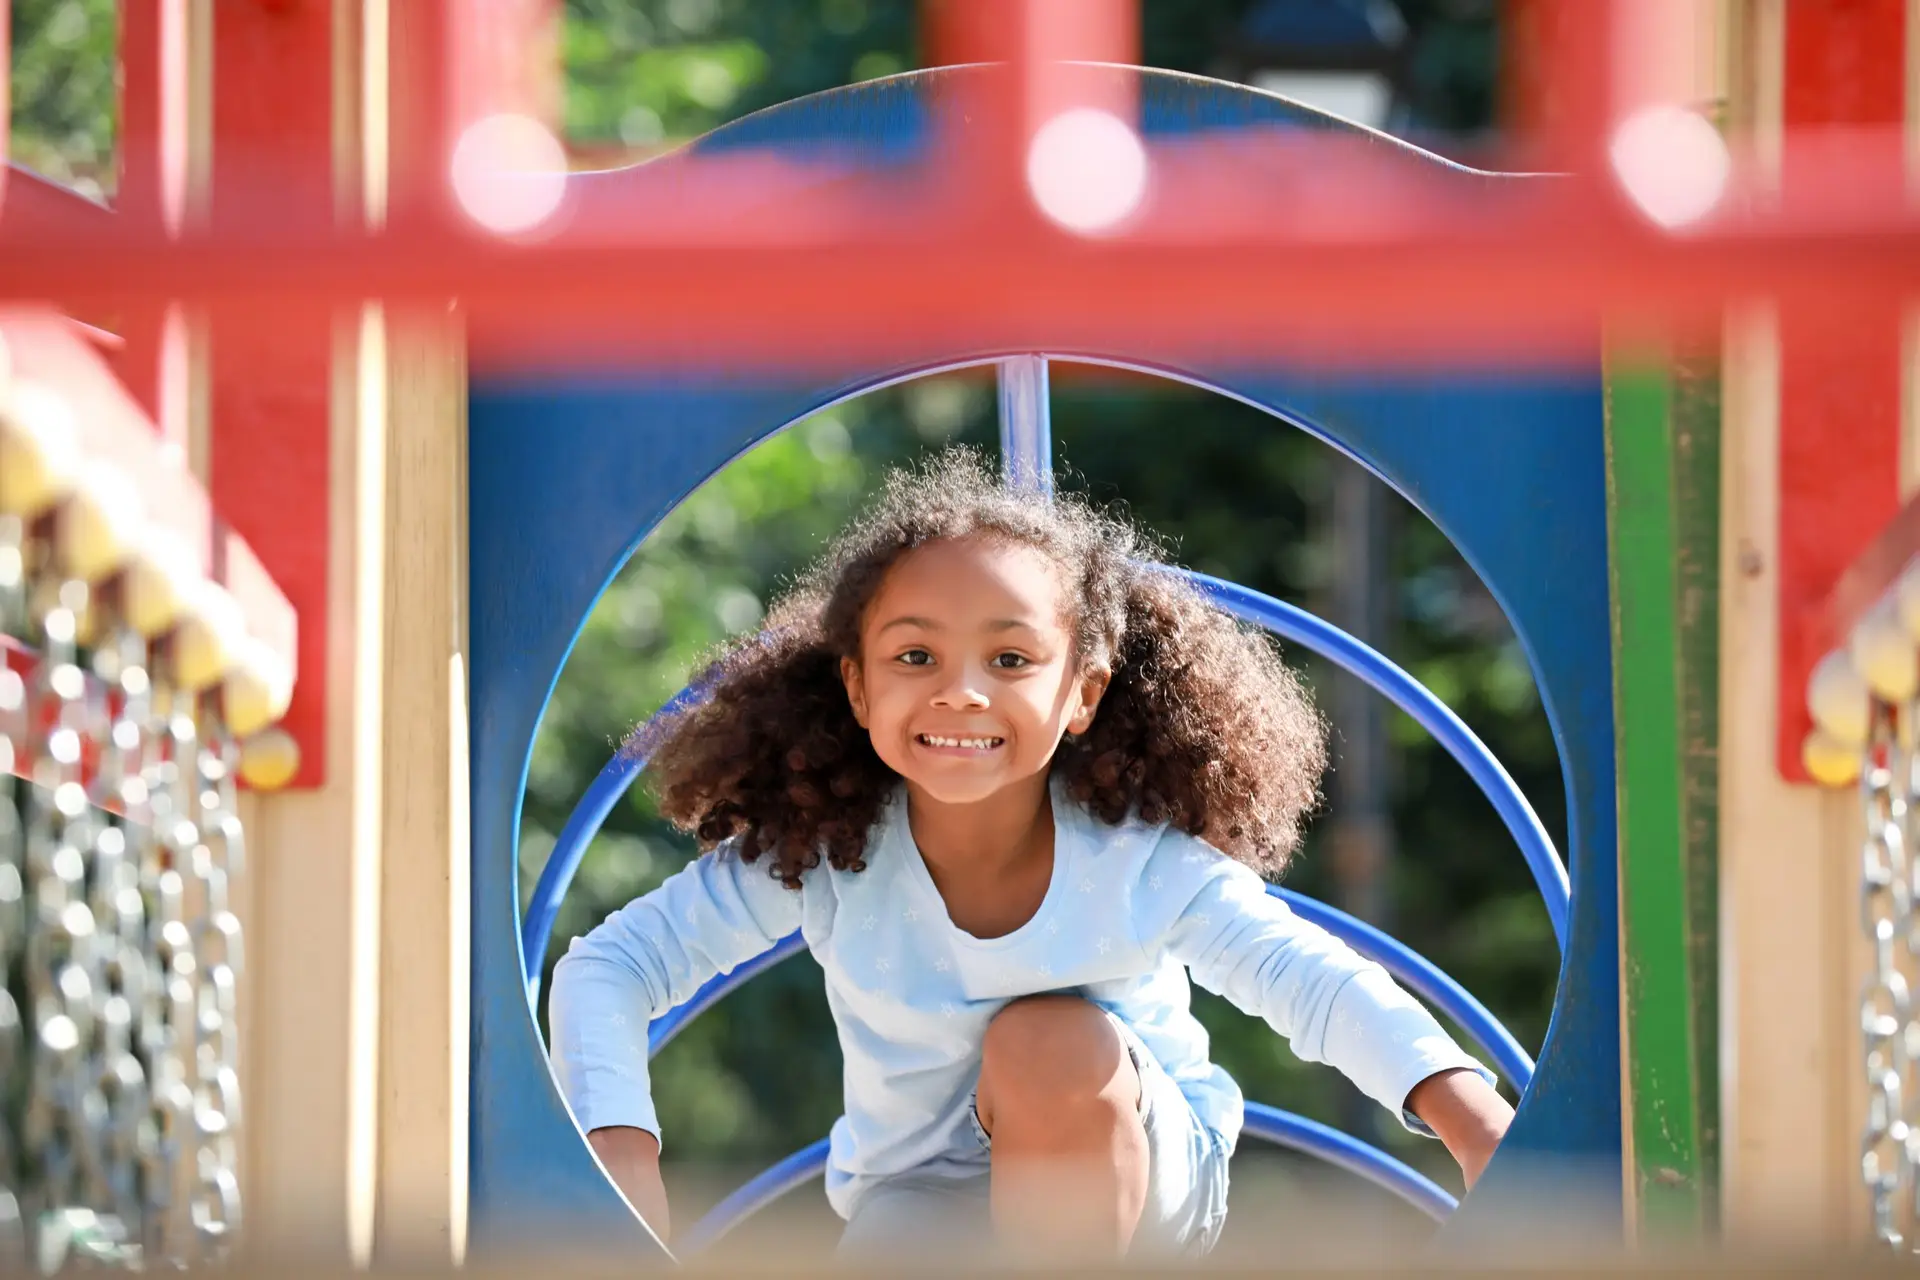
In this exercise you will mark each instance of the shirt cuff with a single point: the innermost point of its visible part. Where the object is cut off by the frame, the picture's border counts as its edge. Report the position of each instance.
(621, 1118)
(1426, 1071)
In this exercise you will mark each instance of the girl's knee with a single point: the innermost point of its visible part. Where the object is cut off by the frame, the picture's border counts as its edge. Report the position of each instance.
(1045, 1052)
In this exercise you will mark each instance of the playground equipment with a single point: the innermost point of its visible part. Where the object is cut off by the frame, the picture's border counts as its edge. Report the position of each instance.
(1025, 449)
(1681, 522)
(1477, 461)
(146, 659)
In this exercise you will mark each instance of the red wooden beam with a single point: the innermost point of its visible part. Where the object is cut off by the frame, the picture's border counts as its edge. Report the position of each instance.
(1443, 289)
(32, 205)
(1034, 41)
(36, 205)
(1866, 581)
(156, 93)
(1554, 82)
(1840, 370)
(270, 430)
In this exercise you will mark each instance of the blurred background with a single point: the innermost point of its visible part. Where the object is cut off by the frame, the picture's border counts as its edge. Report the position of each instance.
(1405, 841)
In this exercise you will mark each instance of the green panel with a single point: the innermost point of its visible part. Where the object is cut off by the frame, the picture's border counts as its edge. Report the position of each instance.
(1664, 529)
(1696, 460)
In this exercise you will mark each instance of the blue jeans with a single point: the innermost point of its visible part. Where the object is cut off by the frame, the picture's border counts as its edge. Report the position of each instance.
(1186, 1202)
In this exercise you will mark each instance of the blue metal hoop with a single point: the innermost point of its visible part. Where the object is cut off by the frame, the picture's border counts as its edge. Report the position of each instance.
(1286, 621)
(1025, 444)
(1269, 1124)
(1426, 979)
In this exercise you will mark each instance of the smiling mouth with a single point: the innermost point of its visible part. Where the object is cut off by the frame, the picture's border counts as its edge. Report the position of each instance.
(942, 742)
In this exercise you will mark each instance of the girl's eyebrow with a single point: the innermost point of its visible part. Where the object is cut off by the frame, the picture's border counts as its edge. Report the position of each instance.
(928, 624)
(910, 620)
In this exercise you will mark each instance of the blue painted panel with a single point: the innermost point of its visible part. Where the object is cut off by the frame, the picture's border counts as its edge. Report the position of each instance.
(566, 477)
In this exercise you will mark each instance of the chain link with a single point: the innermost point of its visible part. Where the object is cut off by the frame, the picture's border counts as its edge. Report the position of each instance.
(14, 1055)
(1886, 917)
(119, 946)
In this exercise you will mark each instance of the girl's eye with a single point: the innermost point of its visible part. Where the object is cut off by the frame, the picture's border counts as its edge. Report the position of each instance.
(915, 658)
(1009, 661)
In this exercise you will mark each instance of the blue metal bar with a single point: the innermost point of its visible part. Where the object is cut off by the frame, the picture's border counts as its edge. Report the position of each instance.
(1433, 715)
(1026, 423)
(796, 1170)
(583, 824)
(669, 1024)
(1408, 966)
(1287, 621)
(1284, 1129)
(1269, 1124)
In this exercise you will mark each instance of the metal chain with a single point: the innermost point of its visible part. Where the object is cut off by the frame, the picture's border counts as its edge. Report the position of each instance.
(168, 1027)
(14, 1055)
(120, 955)
(1886, 914)
(1910, 831)
(217, 857)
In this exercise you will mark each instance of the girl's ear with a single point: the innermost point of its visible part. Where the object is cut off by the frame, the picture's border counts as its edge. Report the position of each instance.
(1093, 686)
(856, 690)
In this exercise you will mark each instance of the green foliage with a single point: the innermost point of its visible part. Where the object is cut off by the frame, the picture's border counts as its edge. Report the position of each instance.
(65, 115)
(639, 71)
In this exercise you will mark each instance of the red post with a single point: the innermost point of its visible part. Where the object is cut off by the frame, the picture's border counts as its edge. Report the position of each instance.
(1840, 378)
(985, 143)
(1555, 82)
(271, 377)
(454, 63)
(155, 176)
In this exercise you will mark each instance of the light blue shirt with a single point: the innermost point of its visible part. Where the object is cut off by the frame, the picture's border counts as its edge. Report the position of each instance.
(1130, 912)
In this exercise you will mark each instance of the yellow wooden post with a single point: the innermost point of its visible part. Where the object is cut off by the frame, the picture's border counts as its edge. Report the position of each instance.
(357, 1040)
(425, 893)
(314, 960)
(1793, 1094)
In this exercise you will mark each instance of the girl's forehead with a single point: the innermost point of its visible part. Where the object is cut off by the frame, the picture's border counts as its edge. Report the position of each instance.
(961, 575)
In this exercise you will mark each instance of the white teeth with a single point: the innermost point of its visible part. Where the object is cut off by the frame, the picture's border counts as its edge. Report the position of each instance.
(972, 744)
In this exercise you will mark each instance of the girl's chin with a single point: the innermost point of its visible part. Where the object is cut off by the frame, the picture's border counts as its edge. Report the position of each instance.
(957, 786)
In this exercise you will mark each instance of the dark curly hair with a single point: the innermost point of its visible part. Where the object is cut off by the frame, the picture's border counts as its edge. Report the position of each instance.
(1202, 725)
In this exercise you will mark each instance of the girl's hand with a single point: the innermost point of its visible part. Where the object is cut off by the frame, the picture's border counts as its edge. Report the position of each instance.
(1467, 1115)
(632, 1158)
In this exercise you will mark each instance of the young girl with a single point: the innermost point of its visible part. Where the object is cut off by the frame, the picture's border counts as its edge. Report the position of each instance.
(1014, 782)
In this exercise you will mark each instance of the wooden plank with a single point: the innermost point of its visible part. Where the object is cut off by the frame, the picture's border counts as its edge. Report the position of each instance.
(298, 462)
(426, 902)
(312, 1049)
(1788, 901)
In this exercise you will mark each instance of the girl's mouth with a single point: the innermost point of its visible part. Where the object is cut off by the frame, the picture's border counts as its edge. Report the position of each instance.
(941, 742)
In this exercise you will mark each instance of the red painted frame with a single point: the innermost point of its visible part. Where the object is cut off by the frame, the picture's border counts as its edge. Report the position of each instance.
(1841, 375)
(1363, 254)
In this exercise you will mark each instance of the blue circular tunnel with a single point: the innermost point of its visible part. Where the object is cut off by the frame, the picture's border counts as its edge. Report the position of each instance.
(1025, 447)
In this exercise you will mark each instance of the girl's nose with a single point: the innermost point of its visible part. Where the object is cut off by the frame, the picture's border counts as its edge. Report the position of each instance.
(964, 692)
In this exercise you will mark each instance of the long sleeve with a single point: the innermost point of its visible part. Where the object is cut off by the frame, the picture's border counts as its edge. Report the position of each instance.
(1333, 1005)
(641, 961)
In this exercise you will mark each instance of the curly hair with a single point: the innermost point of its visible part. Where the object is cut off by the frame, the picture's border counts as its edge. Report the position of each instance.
(1202, 725)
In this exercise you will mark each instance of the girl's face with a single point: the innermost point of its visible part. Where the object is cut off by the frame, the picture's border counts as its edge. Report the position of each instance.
(967, 677)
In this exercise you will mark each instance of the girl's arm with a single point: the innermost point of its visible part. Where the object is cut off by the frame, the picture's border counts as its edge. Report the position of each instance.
(1332, 1005)
(1466, 1113)
(644, 959)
